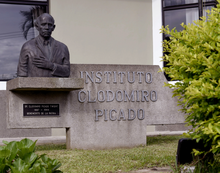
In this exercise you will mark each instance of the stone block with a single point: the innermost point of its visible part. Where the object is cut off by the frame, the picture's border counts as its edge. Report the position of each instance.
(111, 111)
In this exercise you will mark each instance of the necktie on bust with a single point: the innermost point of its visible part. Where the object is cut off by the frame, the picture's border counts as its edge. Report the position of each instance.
(47, 48)
(46, 42)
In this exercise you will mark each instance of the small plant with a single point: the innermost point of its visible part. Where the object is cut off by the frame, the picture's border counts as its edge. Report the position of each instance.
(204, 166)
(19, 157)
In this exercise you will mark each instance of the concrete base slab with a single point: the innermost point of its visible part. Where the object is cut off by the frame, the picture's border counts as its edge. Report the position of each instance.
(172, 127)
(165, 133)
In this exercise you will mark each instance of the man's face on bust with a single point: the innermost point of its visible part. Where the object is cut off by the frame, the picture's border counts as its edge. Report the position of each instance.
(45, 26)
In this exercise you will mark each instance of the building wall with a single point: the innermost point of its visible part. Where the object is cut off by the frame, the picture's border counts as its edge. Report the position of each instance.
(157, 36)
(105, 31)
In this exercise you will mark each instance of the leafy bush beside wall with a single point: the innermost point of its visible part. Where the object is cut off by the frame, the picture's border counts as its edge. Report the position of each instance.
(19, 157)
(193, 56)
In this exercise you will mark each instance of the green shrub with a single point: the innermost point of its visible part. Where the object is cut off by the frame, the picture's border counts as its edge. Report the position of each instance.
(19, 157)
(193, 57)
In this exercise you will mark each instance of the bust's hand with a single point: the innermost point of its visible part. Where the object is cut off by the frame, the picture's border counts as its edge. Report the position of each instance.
(42, 62)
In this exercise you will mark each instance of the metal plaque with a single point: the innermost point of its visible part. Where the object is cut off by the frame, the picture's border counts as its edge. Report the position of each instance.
(41, 109)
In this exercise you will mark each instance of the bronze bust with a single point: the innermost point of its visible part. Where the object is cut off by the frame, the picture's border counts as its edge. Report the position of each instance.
(44, 56)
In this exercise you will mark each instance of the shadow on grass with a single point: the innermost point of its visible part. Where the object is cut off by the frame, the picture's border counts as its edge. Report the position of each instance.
(162, 139)
(51, 147)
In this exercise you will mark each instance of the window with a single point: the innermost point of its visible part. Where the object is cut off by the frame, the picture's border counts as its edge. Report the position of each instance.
(177, 11)
(16, 27)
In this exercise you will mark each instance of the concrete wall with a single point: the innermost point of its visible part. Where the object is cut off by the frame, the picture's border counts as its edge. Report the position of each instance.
(105, 31)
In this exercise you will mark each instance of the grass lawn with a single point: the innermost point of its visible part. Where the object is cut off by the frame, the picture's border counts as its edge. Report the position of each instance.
(160, 151)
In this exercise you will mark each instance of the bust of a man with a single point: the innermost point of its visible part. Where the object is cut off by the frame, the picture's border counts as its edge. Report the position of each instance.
(44, 56)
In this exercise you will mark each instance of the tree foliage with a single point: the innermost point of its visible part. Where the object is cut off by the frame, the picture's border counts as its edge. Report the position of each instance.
(29, 17)
(193, 57)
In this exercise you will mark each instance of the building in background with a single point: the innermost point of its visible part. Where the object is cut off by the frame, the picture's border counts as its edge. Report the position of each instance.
(96, 31)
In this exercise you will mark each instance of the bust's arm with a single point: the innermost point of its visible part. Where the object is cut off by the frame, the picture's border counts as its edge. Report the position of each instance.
(63, 70)
(22, 70)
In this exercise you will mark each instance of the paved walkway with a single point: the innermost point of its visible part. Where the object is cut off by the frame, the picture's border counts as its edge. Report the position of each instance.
(154, 170)
(40, 140)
